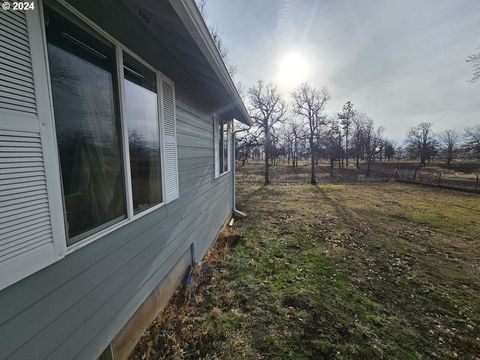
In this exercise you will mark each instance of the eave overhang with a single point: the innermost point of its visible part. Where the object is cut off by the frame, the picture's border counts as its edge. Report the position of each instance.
(193, 21)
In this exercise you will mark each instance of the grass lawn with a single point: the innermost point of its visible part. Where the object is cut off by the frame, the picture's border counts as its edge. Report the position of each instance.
(334, 271)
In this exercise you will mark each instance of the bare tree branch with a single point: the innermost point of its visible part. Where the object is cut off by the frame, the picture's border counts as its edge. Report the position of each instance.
(309, 103)
(422, 143)
(267, 109)
(450, 140)
(346, 117)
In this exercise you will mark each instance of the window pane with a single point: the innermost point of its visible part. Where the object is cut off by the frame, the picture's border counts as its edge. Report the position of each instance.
(225, 147)
(141, 113)
(88, 135)
(220, 146)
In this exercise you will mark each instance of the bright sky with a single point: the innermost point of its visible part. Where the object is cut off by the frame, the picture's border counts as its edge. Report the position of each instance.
(401, 61)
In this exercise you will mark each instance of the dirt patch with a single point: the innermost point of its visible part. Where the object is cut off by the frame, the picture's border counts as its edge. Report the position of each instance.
(297, 302)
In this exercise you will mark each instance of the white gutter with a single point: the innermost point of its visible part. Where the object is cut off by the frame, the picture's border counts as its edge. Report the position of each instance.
(194, 23)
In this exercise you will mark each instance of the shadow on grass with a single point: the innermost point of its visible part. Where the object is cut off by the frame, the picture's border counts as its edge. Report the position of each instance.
(348, 216)
(263, 189)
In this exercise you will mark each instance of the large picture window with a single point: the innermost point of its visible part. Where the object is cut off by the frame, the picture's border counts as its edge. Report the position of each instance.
(82, 71)
(141, 116)
(118, 159)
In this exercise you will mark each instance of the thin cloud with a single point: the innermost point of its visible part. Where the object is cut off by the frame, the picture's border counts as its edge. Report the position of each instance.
(401, 62)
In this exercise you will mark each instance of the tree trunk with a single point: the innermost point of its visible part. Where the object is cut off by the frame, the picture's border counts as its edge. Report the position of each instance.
(346, 146)
(369, 161)
(267, 166)
(313, 179)
(331, 168)
(449, 156)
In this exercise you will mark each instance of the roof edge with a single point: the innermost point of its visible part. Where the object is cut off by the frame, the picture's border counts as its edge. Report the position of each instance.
(192, 19)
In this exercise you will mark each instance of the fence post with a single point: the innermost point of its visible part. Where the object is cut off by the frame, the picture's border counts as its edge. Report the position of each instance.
(476, 184)
(439, 178)
(415, 175)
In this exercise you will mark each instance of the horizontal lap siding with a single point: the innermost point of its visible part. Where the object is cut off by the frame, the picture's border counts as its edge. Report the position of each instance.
(77, 305)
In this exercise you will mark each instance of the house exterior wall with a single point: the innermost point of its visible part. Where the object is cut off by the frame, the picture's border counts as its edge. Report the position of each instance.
(74, 308)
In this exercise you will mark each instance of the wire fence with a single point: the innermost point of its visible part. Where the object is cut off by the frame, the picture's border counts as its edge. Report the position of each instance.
(439, 177)
(462, 176)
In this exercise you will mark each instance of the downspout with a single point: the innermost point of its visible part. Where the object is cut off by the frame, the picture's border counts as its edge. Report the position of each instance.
(235, 211)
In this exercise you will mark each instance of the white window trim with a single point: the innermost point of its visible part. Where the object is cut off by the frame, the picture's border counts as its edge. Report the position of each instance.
(119, 49)
(38, 44)
(219, 174)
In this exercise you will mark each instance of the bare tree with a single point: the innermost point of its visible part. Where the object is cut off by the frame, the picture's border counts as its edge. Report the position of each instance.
(346, 117)
(358, 127)
(373, 139)
(472, 143)
(474, 59)
(246, 141)
(286, 142)
(331, 139)
(449, 139)
(381, 149)
(400, 152)
(216, 37)
(296, 132)
(390, 150)
(202, 4)
(267, 109)
(421, 142)
(309, 103)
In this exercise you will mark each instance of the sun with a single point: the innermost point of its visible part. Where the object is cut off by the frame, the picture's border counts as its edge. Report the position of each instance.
(292, 70)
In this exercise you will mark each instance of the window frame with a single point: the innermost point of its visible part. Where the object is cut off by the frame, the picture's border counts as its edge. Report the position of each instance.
(130, 209)
(77, 18)
(71, 240)
(216, 137)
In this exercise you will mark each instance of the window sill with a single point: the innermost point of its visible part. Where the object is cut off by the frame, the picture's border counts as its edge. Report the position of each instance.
(97, 236)
(218, 176)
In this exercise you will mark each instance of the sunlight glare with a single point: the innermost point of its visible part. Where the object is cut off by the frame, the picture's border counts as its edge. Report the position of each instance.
(292, 70)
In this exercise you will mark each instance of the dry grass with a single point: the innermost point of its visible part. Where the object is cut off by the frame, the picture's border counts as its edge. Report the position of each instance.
(336, 271)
